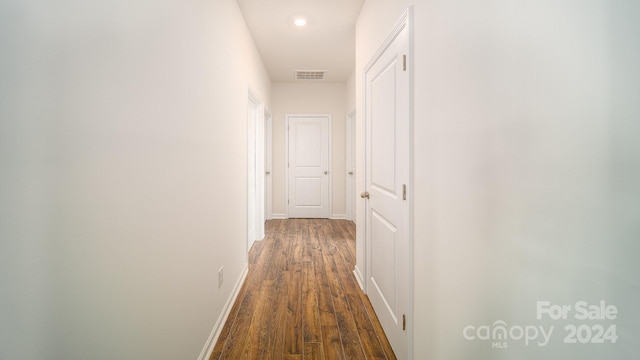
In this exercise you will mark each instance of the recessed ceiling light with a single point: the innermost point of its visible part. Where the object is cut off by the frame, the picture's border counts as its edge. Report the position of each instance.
(300, 22)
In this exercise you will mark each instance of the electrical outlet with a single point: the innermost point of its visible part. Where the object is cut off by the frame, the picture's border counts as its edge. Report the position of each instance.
(220, 276)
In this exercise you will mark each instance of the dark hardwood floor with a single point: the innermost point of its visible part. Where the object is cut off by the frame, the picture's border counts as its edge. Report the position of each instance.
(301, 300)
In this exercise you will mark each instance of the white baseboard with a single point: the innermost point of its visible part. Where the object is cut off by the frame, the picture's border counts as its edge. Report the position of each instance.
(333, 216)
(358, 276)
(205, 354)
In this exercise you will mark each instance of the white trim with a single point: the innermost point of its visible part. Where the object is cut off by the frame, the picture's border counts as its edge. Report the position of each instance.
(279, 216)
(338, 217)
(410, 198)
(286, 160)
(358, 276)
(286, 167)
(205, 354)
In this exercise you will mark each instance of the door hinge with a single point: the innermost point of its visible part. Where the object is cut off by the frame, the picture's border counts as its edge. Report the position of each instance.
(404, 62)
(404, 322)
(404, 192)
(288, 202)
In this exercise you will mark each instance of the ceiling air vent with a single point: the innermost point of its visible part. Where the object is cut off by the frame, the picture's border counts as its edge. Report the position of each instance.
(310, 74)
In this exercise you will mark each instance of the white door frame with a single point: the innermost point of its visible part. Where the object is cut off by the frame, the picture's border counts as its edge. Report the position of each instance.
(268, 122)
(255, 142)
(351, 166)
(405, 21)
(286, 141)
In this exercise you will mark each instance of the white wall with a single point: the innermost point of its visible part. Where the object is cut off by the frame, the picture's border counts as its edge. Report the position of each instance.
(122, 174)
(351, 92)
(309, 98)
(526, 167)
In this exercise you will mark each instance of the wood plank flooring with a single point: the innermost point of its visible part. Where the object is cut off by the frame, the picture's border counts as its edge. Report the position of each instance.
(301, 300)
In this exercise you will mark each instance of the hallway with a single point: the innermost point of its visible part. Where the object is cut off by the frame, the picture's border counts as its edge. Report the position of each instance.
(300, 299)
(126, 160)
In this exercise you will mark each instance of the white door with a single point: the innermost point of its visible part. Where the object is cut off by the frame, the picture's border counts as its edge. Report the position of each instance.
(268, 150)
(252, 108)
(387, 175)
(351, 166)
(308, 166)
(260, 171)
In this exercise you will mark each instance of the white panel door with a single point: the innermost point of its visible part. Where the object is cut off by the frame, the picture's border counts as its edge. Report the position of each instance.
(268, 152)
(351, 167)
(309, 167)
(387, 175)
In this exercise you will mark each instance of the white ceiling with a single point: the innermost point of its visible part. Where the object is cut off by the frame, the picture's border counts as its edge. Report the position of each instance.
(326, 43)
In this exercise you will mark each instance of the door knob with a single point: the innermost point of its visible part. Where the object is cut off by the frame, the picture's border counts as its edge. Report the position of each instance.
(268, 172)
(326, 172)
(350, 172)
(364, 195)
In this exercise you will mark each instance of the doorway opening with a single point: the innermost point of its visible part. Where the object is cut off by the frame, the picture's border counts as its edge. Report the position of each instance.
(255, 170)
